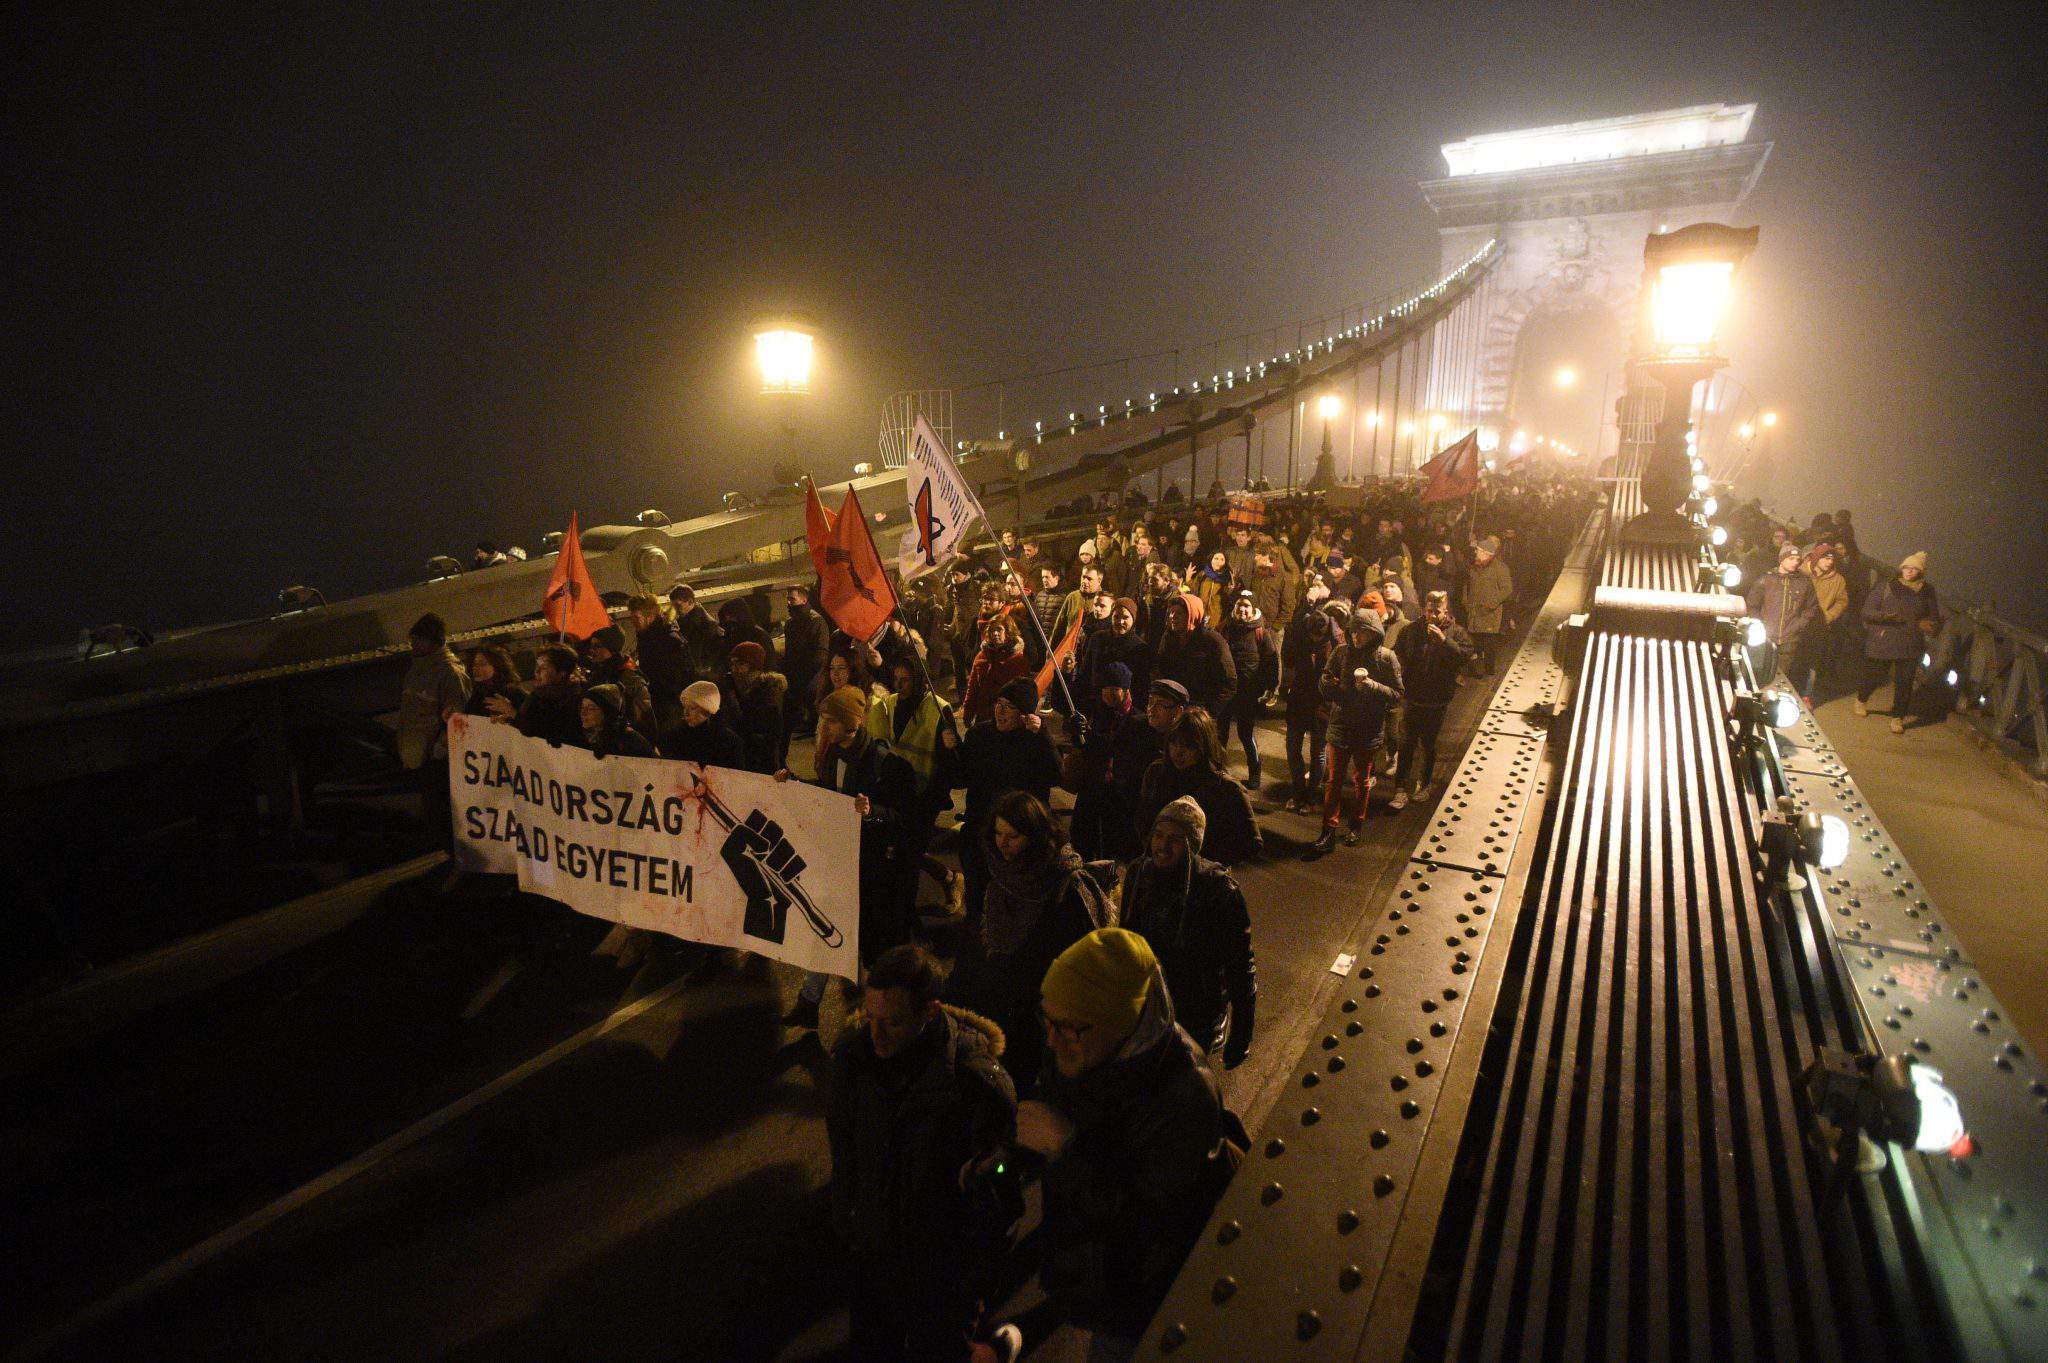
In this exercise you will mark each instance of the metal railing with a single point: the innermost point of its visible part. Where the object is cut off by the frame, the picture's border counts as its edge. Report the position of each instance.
(1999, 668)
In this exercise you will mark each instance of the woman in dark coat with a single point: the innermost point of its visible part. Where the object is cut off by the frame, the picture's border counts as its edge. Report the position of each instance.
(492, 676)
(1193, 766)
(1900, 617)
(1040, 901)
(700, 735)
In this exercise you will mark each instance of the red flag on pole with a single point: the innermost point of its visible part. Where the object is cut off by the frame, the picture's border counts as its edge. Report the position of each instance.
(853, 588)
(1061, 651)
(1455, 472)
(571, 604)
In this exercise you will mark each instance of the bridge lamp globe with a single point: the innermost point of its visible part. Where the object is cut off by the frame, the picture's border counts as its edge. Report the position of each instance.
(1753, 633)
(1747, 430)
(784, 351)
(1770, 419)
(1687, 302)
(1328, 405)
(1718, 536)
(1566, 377)
(1702, 483)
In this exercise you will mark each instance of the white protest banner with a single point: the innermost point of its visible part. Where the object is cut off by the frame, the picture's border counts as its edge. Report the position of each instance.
(942, 505)
(702, 853)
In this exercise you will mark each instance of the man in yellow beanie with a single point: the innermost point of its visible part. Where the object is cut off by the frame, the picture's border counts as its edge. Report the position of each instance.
(1128, 1117)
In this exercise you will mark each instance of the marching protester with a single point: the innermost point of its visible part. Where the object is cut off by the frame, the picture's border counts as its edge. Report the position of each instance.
(1040, 900)
(606, 663)
(1193, 915)
(1812, 660)
(1362, 681)
(910, 719)
(663, 659)
(804, 637)
(1433, 654)
(884, 790)
(553, 706)
(1194, 655)
(1135, 1140)
(1257, 663)
(494, 685)
(917, 1096)
(704, 643)
(605, 728)
(1009, 751)
(1107, 769)
(700, 734)
(435, 687)
(753, 696)
(1900, 616)
(1193, 767)
(1489, 588)
(1784, 600)
(1312, 634)
(1001, 661)
(1120, 642)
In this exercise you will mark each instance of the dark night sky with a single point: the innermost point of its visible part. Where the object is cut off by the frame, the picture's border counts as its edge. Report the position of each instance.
(310, 297)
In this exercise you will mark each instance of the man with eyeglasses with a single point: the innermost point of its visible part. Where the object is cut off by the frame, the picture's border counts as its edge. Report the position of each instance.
(1132, 1129)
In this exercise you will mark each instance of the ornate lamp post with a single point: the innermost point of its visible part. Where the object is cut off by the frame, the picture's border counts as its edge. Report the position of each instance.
(1687, 277)
(1327, 407)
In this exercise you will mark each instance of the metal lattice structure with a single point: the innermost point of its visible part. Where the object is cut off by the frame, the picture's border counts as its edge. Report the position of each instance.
(899, 419)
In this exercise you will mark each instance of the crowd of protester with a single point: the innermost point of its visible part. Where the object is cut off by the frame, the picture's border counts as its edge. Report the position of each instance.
(1103, 970)
(1839, 622)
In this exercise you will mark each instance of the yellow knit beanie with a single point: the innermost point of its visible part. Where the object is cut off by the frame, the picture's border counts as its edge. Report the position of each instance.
(1103, 978)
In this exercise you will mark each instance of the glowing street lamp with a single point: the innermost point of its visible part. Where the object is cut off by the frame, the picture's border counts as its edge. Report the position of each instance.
(783, 350)
(1747, 430)
(1566, 377)
(1687, 278)
(1770, 419)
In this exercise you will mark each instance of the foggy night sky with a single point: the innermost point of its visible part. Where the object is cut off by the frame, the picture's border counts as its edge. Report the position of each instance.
(309, 297)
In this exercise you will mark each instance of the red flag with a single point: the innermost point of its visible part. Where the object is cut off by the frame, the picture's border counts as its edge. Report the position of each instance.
(571, 604)
(1061, 651)
(1455, 472)
(853, 588)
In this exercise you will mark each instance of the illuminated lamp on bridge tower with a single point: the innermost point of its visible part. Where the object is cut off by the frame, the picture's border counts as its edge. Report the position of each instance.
(1572, 205)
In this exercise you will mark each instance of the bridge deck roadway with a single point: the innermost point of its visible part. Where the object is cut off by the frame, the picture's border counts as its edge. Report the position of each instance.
(1976, 834)
(413, 1137)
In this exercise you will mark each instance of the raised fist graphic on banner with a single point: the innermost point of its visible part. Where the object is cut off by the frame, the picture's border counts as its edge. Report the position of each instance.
(766, 866)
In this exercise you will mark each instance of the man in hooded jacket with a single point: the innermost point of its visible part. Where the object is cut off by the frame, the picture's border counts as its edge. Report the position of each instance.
(1195, 656)
(1193, 915)
(1361, 683)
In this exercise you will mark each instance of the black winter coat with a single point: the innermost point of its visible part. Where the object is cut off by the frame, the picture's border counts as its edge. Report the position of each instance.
(552, 713)
(1137, 1181)
(1200, 661)
(1203, 939)
(1233, 834)
(1305, 650)
(1430, 667)
(714, 743)
(900, 1131)
(1254, 658)
(989, 763)
(666, 665)
(757, 714)
(1892, 616)
(1104, 647)
(704, 645)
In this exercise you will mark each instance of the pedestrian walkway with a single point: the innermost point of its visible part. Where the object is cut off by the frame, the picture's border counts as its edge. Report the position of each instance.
(1975, 833)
